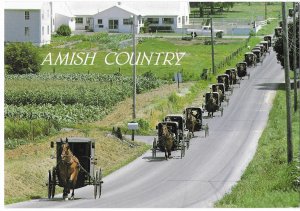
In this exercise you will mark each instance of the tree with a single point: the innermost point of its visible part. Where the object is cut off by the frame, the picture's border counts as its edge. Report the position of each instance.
(21, 58)
(63, 30)
(278, 47)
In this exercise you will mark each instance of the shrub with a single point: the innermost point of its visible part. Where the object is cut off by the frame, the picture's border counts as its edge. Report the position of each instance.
(22, 58)
(64, 30)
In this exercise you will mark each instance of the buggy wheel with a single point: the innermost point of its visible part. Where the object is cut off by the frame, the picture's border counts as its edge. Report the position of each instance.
(100, 182)
(154, 148)
(182, 149)
(206, 130)
(95, 184)
(187, 143)
(53, 182)
(49, 184)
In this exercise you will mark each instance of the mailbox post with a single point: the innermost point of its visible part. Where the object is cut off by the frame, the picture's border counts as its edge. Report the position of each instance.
(133, 126)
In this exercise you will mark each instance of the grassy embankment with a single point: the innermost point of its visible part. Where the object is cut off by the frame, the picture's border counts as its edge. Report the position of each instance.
(268, 180)
(26, 166)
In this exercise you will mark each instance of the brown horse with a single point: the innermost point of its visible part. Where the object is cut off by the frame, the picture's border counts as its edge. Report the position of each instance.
(68, 169)
(167, 141)
(211, 105)
(191, 122)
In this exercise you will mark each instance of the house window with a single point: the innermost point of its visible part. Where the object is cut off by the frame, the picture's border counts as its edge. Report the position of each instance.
(179, 20)
(99, 21)
(79, 20)
(26, 15)
(113, 24)
(127, 21)
(48, 30)
(168, 20)
(43, 31)
(153, 20)
(100, 26)
(88, 20)
(26, 31)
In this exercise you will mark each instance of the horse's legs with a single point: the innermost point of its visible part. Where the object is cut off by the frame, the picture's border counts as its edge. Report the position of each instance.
(166, 156)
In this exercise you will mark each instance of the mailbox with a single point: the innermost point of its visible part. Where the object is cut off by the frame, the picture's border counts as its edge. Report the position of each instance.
(133, 126)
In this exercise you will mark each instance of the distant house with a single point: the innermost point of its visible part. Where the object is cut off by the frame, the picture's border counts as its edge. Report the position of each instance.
(62, 15)
(26, 21)
(113, 16)
(115, 19)
(160, 15)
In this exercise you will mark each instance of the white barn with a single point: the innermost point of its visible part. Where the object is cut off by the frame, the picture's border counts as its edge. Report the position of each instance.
(26, 21)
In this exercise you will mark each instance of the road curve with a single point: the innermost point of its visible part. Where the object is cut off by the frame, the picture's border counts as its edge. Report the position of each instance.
(211, 166)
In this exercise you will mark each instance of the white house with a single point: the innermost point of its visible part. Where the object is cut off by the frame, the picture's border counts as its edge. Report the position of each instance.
(116, 19)
(62, 15)
(26, 21)
(162, 15)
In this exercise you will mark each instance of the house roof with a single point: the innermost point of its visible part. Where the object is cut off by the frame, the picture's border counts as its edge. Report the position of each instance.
(23, 5)
(62, 8)
(145, 8)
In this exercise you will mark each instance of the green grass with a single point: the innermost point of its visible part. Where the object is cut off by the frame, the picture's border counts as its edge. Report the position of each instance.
(268, 180)
(269, 28)
(198, 57)
(253, 11)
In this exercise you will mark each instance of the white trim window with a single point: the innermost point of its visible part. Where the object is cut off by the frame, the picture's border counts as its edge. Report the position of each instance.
(27, 15)
(113, 24)
(79, 20)
(168, 20)
(26, 31)
(127, 21)
(153, 20)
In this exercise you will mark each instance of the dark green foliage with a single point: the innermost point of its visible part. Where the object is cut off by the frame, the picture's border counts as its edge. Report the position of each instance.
(278, 47)
(22, 58)
(64, 30)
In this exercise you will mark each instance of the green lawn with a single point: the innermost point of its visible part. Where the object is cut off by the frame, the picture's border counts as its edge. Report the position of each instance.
(251, 11)
(197, 57)
(268, 180)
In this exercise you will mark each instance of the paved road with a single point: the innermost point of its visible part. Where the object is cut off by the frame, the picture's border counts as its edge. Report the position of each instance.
(211, 166)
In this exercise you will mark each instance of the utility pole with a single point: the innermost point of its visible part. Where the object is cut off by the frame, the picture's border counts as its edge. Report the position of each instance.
(212, 47)
(266, 17)
(287, 84)
(294, 56)
(133, 72)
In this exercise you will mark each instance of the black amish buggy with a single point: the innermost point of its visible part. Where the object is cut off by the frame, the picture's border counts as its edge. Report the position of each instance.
(197, 113)
(213, 103)
(266, 45)
(278, 32)
(250, 58)
(84, 150)
(174, 131)
(242, 69)
(220, 88)
(268, 38)
(224, 78)
(257, 53)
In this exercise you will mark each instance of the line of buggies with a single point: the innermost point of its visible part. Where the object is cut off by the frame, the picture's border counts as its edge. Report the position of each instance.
(176, 130)
(258, 52)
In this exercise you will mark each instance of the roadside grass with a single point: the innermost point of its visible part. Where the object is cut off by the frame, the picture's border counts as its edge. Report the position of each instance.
(26, 168)
(269, 28)
(269, 181)
(252, 10)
